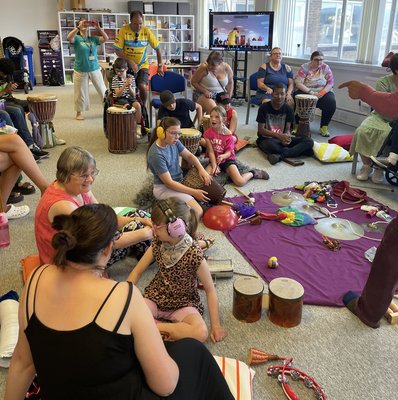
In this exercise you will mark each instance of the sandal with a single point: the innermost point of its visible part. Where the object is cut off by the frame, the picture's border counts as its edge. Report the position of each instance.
(208, 243)
(25, 188)
(17, 212)
(15, 197)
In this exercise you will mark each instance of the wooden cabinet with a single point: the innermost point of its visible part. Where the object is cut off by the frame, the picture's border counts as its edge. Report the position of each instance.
(174, 32)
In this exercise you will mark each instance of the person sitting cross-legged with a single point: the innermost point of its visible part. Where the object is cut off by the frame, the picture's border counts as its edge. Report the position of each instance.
(275, 119)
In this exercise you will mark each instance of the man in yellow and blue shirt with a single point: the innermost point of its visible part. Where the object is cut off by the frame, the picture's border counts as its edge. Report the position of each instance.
(131, 44)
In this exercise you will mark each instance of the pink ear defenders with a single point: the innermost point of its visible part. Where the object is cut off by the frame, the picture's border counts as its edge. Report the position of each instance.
(175, 226)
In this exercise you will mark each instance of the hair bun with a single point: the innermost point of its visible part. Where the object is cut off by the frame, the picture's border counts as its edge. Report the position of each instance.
(63, 239)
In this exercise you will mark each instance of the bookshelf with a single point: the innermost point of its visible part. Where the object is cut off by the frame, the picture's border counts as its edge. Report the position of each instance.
(174, 32)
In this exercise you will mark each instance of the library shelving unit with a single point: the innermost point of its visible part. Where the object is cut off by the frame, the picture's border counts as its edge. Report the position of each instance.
(174, 32)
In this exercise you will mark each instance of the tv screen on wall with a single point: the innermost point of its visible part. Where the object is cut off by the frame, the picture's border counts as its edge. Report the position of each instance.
(241, 31)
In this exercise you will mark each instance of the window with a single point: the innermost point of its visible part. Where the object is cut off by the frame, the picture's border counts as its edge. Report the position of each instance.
(230, 5)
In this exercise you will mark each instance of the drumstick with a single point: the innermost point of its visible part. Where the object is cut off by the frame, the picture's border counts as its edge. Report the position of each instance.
(243, 194)
(346, 209)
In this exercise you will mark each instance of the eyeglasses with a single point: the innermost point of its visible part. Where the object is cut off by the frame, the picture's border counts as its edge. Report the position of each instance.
(84, 177)
(318, 59)
(175, 133)
(117, 236)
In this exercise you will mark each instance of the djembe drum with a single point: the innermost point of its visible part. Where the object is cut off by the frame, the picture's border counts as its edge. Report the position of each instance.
(215, 191)
(190, 138)
(305, 109)
(206, 122)
(43, 106)
(285, 302)
(248, 298)
(122, 130)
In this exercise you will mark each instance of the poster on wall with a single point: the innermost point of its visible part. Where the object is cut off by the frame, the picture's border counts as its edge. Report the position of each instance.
(50, 58)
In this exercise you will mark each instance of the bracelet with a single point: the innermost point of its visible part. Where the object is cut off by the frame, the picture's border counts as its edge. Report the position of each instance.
(322, 92)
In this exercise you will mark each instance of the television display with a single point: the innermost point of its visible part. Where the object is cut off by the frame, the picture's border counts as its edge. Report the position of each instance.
(241, 31)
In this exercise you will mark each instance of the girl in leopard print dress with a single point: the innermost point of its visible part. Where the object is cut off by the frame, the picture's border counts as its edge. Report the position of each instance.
(173, 295)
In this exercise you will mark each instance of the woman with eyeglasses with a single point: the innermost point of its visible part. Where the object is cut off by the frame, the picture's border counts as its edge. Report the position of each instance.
(164, 150)
(316, 78)
(86, 65)
(87, 337)
(76, 172)
(271, 73)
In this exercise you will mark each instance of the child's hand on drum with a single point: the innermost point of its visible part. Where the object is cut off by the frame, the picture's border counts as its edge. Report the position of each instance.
(200, 195)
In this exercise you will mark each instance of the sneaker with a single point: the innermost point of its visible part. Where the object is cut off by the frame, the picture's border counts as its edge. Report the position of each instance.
(274, 158)
(324, 131)
(37, 158)
(364, 172)
(259, 174)
(378, 176)
(383, 162)
(58, 141)
(38, 151)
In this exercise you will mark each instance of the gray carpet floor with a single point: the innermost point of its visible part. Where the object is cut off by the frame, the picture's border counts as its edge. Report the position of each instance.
(349, 360)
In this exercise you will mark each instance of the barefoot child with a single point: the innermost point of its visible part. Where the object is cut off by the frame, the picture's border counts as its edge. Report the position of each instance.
(220, 150)
(173, 293)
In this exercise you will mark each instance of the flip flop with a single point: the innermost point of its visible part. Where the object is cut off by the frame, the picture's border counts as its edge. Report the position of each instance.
(15, 197)
(17, 212)
(25, 188)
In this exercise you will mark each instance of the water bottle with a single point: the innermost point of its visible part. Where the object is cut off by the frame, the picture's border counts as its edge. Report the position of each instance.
(4, 231)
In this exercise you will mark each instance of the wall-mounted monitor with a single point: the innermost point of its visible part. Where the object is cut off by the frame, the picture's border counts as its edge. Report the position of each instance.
(241, 31)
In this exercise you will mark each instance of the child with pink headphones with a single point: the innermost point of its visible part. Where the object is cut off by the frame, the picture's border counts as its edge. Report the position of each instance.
(173, 293)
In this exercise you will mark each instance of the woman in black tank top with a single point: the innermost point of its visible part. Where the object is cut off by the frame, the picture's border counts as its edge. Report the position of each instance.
(87, 337)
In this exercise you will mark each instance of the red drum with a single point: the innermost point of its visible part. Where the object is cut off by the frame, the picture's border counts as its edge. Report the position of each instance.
(122, 130)
(305, 109)
(43, 106)
(285, 302)
(215, 192)
(248, 298)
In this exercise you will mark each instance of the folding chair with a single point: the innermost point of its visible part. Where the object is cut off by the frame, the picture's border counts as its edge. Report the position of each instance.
(251, 98)
(172, 81)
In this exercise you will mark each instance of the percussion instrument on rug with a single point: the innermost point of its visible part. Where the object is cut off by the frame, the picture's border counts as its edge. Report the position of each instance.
(206, 122)
(285, 198)
(339, 228)
(215, 191)
(190, 138)
(247, 300)
(43, 106)
(305, 109)
(285, 302)
(122, 130)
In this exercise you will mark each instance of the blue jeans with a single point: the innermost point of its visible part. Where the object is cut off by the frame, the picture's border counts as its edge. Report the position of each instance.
(6, 117)
(17, 115)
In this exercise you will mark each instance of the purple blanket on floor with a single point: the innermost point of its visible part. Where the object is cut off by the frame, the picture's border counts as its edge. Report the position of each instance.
(325, 274)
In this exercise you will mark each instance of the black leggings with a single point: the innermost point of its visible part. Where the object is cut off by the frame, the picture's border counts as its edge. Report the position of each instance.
(327, 104)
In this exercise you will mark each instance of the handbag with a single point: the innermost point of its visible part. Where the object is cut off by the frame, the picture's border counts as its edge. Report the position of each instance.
(347, 194)
(387, 59)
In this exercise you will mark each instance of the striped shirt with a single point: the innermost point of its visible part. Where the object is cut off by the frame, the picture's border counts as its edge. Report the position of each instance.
(118, 82)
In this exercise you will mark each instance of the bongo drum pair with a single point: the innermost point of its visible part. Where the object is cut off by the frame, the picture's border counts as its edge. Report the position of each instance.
(215, 191)
(305, 109)
(43, 106)
(122, 130)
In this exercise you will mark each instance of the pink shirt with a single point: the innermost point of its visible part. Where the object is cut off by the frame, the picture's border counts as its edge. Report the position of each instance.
(44, 232)
(384, 103)
(221, 143)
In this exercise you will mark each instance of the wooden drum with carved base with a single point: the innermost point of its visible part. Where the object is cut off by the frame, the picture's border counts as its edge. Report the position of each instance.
(206, 122)
(305, 109)
(122, 130)
(285, 302)
(247, 301)
(190, 138)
